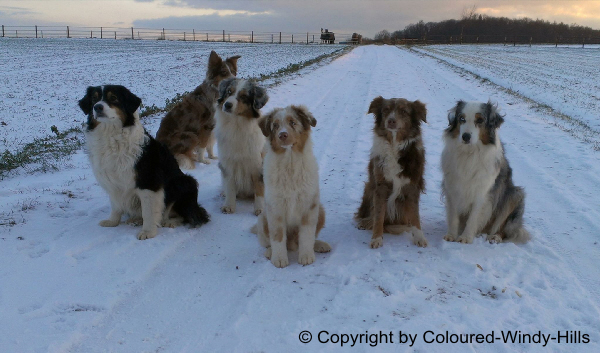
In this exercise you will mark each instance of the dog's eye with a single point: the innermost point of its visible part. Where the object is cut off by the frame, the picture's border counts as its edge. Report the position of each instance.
(229, 91)
(479, 121)
(209, 127)
(292, 123)
(462, 119)
(275, 125)
(113, 98)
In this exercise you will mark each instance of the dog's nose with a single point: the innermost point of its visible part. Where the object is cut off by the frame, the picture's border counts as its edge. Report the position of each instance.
(283, 136)
(98, 108)
(228, 105)
(392, 123)
(466, 137)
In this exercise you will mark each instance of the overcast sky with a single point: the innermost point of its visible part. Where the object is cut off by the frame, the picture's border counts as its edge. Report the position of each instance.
(342, 16)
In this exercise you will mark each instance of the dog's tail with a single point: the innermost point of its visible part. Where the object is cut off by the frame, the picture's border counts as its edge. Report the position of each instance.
(521, 236)
(186, 201)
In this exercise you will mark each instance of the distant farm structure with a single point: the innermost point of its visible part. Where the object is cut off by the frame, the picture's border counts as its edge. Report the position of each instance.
(327, 37)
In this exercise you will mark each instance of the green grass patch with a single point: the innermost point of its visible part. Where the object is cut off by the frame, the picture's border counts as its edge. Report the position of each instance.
(42, 154)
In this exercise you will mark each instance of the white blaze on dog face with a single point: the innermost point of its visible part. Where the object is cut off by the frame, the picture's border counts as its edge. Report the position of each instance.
(110, 103)
(474, 122)
(241, 98)
(288, 127)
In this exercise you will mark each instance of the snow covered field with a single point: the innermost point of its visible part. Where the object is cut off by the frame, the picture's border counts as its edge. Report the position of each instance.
(68, 285)
(41, 80)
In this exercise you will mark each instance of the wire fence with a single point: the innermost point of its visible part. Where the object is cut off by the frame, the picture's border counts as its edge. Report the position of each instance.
(513, 40)
(135, 33)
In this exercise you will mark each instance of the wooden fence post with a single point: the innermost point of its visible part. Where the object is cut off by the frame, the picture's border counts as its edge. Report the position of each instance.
(163, 34)
(2, 30)
(583, 44)
(252, 37)
(115, 35)
(292, 39)
(184, 36)
(194, 34)
(101, 34)
(223, 35)
(132, 37)
(36, 31)
(68, 34)
(279, 37)
(530, 40)
(306, 37)
(271, 38)
(207, 37)
(91, 34)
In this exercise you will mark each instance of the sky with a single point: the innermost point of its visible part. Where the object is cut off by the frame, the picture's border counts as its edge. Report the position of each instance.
(343, 16)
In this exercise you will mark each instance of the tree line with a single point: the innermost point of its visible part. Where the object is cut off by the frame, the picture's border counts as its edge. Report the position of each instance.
(489, 29)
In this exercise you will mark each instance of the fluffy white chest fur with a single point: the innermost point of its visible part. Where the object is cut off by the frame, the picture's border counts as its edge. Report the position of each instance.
(388, 154)
(291, 182)
(469, 171)
(113, 152)
(240, 142)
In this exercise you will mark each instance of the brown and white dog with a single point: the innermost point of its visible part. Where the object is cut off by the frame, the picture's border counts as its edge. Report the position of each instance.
(391, 197)
(187, 130)
(241, 141)
(139, 173)
(294, 215)
(477, 185)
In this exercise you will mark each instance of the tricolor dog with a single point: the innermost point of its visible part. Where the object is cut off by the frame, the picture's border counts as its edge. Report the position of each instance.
(139, 174)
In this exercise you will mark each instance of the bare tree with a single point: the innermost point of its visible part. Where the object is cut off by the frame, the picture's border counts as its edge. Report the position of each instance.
(469, 13)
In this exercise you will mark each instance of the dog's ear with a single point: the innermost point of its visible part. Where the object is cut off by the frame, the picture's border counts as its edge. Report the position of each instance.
(419, 111)
(375, 109)
(455, 112)
(375, 106)
(214, 60)
(305, 116)
(259, 98)
(233, 63)
(492, 115)
(131, 102)
(224, 87)
(266, 122)
(86, 103)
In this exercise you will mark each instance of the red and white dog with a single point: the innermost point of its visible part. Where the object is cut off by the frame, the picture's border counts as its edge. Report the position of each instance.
(294, 215)
(391, 198)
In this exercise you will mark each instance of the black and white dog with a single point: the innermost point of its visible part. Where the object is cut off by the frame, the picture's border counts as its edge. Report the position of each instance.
(139, 174)
(478, 187)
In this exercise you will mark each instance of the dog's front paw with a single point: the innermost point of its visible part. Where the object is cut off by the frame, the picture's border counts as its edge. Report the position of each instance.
(494, 239)
(268, 253)
(212, 156)
(449, 237)
(306, 259)
(420, 241)
(204, 161)
(465, 239)
(228, 209)
(321, 246)
(109, 223)
(280, 261)
(376, 243)
(146, 234)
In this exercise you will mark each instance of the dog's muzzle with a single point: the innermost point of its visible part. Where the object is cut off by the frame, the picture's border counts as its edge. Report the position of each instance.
(227, 107)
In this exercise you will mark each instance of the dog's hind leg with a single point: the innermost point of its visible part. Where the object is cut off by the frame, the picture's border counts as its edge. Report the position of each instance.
(321, 246)
(508, 223)
(200, 152)
(152, 209)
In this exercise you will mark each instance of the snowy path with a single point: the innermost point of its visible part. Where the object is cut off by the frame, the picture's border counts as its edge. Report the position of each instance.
(71, 286)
